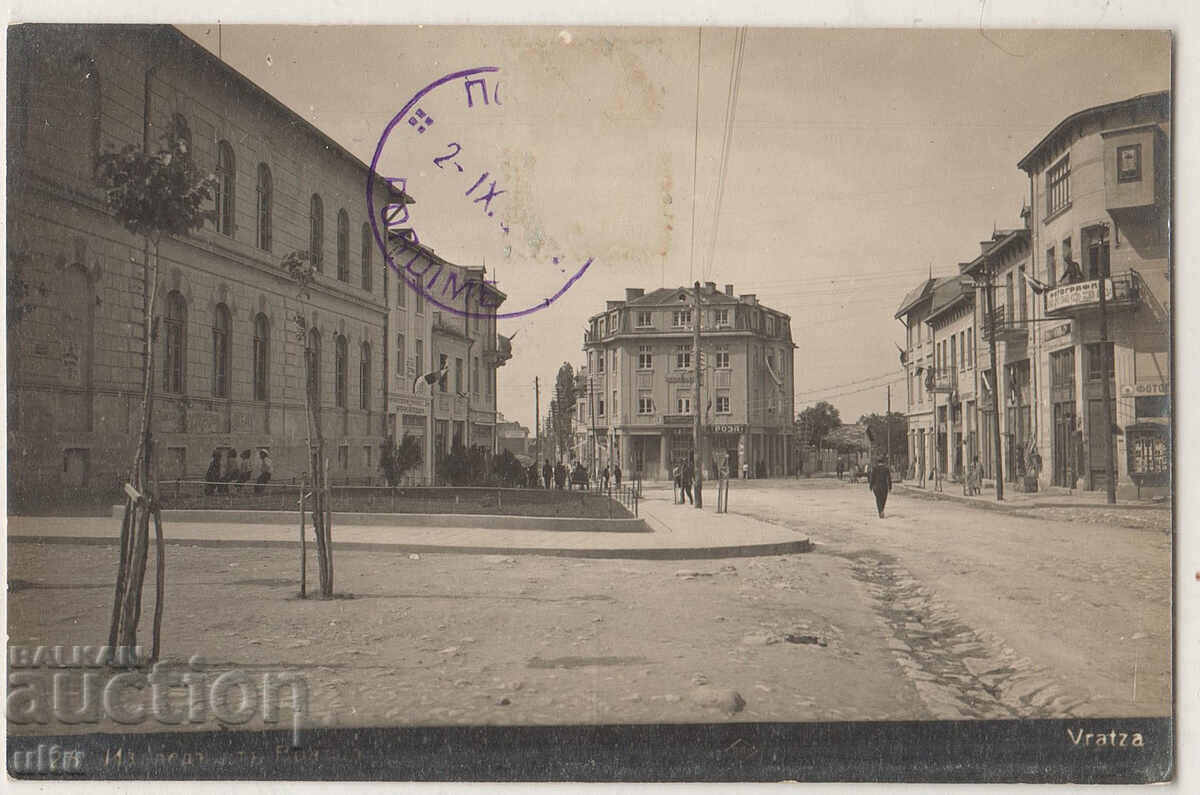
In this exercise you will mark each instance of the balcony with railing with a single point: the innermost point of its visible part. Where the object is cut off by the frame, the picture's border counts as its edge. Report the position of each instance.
(1120, 293)
(1008, 328)
(941, 379)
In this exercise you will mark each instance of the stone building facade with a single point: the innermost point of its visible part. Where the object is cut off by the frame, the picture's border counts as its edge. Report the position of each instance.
(228, 366)
(642, 367)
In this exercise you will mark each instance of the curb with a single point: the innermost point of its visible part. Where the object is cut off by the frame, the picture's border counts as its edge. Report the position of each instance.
(649, 553)
(1018, 506)
(467, 520)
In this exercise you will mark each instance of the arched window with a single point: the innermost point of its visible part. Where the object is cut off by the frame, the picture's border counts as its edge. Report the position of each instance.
(226, 175)
(314, 347)
(364, 376)
(220, 351)
(316, 233)
(343, 246)
(261, 355)
(264, 207)
(175, 334)
(367, 240)
(339, 372)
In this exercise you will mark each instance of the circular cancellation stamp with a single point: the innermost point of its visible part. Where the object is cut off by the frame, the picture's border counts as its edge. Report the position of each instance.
(483, 198)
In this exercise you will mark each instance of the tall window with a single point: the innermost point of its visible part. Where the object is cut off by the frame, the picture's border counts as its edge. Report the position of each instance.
(644, 320)
(366, 257)
(962, 350)
(722, 359)
(261, 355)
(475, 375)
(600, 359)
(970, 347)
(420, 302)
(220, 351)
(225, 184)
(458, 375)
(443, 368)
(1098, 267)
(339, 371)
(683, 403)
(1051, 269)
(1096, 364)
(181, 130)
(645, 357)
(645, 403)
(401, 291)
(1023, 300)
(316, 232)
(419, 355)
(401, 371)
(723, 404)
(314, 345)
(264, 207)
(681, 318)
(174, 329)
(1058, 186)
(364, 376)
(721, 317)
(343, 246)
(683, 358)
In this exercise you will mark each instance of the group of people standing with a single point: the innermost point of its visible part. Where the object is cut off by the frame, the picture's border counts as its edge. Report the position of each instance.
(556, 476)
(685, 478)
(225, 469)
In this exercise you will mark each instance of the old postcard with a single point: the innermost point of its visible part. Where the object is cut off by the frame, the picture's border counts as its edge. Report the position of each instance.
(589, 403)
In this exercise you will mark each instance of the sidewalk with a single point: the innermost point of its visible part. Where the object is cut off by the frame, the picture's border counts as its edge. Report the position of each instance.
(677, 533)
(1019, 500)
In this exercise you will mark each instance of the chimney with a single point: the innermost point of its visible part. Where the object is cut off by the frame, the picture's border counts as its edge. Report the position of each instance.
(729, 290)
(710, 287)
(749, 298)
(633, 292)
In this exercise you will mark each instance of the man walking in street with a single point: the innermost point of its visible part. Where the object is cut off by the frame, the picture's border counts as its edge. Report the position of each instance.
(617, 474)
(686, 474)
(265, 469)
(880, 482)
(547, 473)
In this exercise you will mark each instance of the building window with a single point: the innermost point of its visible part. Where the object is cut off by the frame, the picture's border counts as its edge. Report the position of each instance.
(181, 130)
(458, 374)
(683, 358)
(681, 318)
(419, 355)
(1051, 268)
(614, 403)
(264, 207)
(314, 346)
(1058, 186)
(475, 375)
(1129, 163)
(1023, 300)
(600, 407)
(368, 458)
(1098, 265)
(225, 188)
(364, 376)
(770, 325)
(343, 246)
(344, 457)
(420, 301)
(722, 359)
(645, 403)
(645, 358)
(721, 317)
(722, 404)
(401, 291)
(1095, 363)
(602, 324)
(683, 403)
(970, 347)
(339, 371)
(644, 320)
(366, 257)
(316, 232)
(175, 329)
(220, 351)
(401, 371)
(600, 357)
(261, 355)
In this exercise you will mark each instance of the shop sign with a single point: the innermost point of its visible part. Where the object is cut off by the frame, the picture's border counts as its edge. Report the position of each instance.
(727, 428)
(1058, 331)
(1078, 294)
(1144, 388)
(678, 419)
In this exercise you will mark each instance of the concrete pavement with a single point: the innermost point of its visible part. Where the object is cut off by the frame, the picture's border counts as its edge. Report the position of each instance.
(676, 532)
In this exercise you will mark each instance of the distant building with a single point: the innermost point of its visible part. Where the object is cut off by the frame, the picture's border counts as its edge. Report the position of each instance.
(513, 437)
(643, 366)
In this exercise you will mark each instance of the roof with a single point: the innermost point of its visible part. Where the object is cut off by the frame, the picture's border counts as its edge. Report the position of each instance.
(297, 120)
(1160, 98)
(914, 297)
(667, 295)
(947, 292)
(1001, 240)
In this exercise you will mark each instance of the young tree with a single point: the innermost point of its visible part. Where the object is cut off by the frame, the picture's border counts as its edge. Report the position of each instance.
(398, 458)
(303, 273)
(880, 427)
(563, 406)
(153, 195)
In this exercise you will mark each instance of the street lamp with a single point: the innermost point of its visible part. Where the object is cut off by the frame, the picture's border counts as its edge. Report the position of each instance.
(987, 286)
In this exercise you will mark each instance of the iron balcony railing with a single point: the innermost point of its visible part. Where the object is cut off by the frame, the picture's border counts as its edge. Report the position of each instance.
(1121, 291)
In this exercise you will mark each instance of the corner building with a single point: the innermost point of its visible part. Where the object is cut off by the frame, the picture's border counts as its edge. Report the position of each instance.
(642, 366)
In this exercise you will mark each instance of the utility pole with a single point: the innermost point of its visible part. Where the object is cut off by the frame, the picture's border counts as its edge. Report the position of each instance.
(1106, 395)
(887, 419)
(592, 404)
(697, 420)
(991, 310)
(537, 420)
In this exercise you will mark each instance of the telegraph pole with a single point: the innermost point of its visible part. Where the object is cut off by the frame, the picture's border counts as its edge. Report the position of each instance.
(1106, 394)
(991, 310)
(697, 420)
(537, 421)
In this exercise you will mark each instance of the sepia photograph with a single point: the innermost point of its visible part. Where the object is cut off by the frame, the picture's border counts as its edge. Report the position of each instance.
(590, 403)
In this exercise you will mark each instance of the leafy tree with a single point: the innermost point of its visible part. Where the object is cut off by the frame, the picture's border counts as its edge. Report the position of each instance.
(152, 195)
(563, 407)
(397, 459)
(509, 471)
(820, 420)
(879, 427)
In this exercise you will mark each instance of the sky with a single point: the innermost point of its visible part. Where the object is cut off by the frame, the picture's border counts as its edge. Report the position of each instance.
(858, 162)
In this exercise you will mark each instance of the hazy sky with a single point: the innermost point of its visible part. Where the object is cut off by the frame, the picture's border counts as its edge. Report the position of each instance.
(858, 160)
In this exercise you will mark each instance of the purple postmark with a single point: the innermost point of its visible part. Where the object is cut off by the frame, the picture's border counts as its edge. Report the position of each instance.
(479, 196)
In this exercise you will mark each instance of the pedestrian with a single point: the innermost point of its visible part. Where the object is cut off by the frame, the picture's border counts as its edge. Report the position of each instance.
(746, 471)
(841, 468)
(677, 488)
(605, 476)
(880, 482)
(686, 474)
(617, 474)
(229, 473)
(547, 473)
(560, 476)
(265, 468)
(245, 468)
(213, 474)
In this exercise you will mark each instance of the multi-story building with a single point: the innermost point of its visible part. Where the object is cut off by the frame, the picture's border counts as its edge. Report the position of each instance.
(917, 360)
(228, 368)
(642, 367)
(512, 436)
(1097, 220)
(460, 408)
